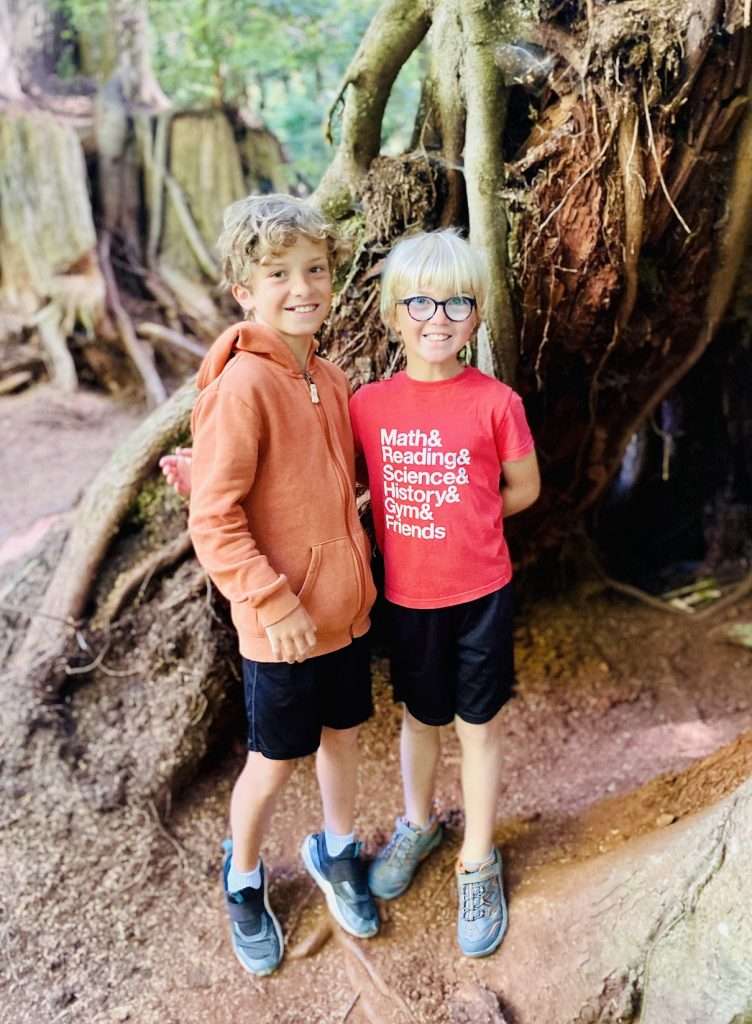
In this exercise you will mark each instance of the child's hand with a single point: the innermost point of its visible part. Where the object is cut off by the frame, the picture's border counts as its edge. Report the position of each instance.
(294, 637)
(177, 470)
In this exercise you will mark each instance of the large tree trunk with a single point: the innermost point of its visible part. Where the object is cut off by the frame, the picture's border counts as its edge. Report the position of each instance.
(658, 930)
(10, 82)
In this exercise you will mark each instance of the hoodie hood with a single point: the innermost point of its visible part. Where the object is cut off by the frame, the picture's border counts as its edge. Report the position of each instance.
(248, 336)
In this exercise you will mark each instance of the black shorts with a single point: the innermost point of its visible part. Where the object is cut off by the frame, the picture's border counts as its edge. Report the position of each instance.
(287, 705)
(454, 661)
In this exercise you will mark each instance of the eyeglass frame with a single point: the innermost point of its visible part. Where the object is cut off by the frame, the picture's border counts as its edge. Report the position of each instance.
(436, 304)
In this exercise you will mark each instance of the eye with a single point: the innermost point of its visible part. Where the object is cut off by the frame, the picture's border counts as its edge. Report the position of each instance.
(421, 301)
(319, 269)
(277, 273)
(459, 301)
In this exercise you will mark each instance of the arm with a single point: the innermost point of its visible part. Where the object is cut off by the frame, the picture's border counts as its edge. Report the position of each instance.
(521, 484)
(361, 469)
(225, 451)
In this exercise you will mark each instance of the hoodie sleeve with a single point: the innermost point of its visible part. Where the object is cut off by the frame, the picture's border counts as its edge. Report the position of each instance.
(225, 452)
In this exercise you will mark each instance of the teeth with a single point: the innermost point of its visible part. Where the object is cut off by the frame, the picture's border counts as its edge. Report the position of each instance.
(302, 309)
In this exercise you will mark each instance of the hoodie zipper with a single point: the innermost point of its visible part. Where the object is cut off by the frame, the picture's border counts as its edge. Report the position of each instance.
(312, 389)
(344, 483)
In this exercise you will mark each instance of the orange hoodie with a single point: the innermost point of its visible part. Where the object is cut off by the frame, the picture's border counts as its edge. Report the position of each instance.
(273, 516)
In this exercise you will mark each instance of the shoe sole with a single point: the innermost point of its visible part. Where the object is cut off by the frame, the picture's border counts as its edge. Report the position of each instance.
(246, 967)
(329, 894)
(394, 895)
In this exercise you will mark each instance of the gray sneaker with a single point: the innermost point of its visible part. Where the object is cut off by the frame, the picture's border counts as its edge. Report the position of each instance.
(482, 914)
(342, 880)
(254, 930)
(393, 868)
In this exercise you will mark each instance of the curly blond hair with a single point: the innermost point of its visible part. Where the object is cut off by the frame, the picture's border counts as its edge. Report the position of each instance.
(261, 225)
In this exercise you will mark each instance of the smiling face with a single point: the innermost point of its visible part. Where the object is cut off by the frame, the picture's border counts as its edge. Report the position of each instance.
(431, 346)
(290, 291)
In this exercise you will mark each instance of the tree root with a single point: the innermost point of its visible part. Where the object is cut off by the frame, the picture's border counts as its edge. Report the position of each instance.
(633, 180)
(486, 101)
(395, 31)
(731, 249)
(450, 111)
(61, 366)
(140, 575)
(194, 301)
(737, 593)
(380, 1001)
(314, 941)
(155, 162)
(97, 521)
(137, 352)
(192, 234)
(160, 333)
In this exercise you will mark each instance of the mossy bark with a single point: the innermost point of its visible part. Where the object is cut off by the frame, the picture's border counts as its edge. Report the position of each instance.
(206, 176)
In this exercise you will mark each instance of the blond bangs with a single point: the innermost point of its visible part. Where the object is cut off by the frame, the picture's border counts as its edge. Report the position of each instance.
(441, 261)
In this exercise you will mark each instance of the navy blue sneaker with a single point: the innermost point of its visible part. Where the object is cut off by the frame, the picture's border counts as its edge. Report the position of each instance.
(342, 880)
(254, 930)
(482, 913)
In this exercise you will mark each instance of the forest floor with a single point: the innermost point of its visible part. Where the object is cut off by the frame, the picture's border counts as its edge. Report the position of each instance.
(117, 916)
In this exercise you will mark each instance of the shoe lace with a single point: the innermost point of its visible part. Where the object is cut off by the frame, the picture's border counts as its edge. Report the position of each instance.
(398, 848)
(478, 900)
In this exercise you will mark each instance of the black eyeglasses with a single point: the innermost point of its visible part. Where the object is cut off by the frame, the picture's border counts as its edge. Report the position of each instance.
(422, 307)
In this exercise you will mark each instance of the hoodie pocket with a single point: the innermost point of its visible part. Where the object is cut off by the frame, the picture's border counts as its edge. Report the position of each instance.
(331, 588)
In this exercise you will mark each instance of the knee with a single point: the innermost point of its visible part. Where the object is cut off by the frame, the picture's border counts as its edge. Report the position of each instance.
(265, 775)
(339, 741)
(416, 727)
(484, 734)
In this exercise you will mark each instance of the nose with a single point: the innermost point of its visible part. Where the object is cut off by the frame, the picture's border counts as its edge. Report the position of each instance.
(439, 316)
(299, 284)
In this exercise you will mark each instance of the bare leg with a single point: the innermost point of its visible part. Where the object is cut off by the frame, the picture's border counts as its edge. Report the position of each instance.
(337, 768)
(481, 771)
(420, 746)
(253, 800)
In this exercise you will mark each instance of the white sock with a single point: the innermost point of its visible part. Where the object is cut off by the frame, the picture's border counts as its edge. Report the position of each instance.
(237, 880)
(336, 844)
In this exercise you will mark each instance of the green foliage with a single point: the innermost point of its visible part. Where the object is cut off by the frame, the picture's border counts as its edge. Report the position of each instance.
(281, 60)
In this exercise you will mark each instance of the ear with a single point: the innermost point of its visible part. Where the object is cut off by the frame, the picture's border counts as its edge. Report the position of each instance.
(243, 297)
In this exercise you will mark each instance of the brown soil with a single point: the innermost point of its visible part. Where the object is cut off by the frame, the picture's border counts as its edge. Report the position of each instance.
(116, 916)
(53, 444)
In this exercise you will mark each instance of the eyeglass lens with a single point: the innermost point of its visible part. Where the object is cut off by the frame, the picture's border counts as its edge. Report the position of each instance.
(421, 307)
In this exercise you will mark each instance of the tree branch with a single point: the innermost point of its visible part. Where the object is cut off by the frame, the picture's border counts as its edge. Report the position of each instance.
(396, 30)
(446, 71)
(192, 234)
(486, 98)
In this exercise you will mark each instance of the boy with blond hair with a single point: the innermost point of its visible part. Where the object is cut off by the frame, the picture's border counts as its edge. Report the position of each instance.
(449, 456)
(274, 522)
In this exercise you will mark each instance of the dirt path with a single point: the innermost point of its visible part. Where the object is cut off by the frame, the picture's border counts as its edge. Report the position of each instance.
(116, 916)
(52, 445)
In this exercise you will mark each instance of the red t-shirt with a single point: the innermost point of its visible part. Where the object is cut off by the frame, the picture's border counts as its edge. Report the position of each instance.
(434, 451)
